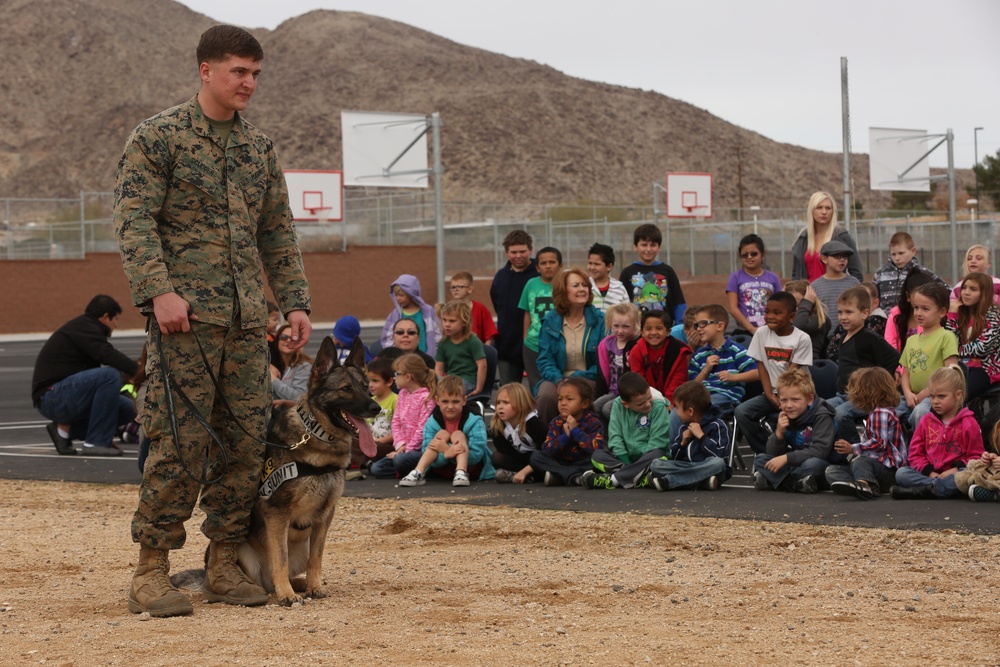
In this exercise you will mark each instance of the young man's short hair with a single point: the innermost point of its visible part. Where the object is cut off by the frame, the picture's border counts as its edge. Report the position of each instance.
(693, 395)
(102, 305)
(714, 312)
(381, 367)
(450, 385)
(605, 252)
(857, 295)
(794, 377)
(786, 299)
(550, 251)
(517, 237)
(463, 276)
(661, 315)
(631, 385)
(647, 232)
(221, 41)
(903, 239)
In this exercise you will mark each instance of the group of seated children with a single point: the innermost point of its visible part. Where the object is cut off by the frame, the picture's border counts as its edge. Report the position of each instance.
(658, 416)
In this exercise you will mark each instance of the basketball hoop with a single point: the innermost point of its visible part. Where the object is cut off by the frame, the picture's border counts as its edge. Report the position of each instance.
(699, 213)
(320, 213)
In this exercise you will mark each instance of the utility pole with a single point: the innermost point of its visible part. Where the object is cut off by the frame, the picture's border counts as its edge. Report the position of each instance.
(739, 178)
(975, 143)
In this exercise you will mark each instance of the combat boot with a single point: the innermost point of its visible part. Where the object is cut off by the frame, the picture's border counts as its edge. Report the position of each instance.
(225, 580)
(151, 589)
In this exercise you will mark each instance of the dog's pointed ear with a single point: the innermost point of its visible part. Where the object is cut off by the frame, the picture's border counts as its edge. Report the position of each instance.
(326, 359)
(357, 354)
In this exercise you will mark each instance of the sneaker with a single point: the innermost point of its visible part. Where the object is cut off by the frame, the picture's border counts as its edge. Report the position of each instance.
(807, 484)
(660, 483)
(63, 445)
(759, 482)
(925, 491)
(980, 494)
(845, 489)
(415, 478)
(94, 450)
(351, 475)
(711, 484)
(643, 482)
(552, 479)
(574, 481)
(592, 480)
(461, 478)
(504, 476)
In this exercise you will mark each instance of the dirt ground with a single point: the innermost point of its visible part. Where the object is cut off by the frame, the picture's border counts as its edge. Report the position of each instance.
(417, 582)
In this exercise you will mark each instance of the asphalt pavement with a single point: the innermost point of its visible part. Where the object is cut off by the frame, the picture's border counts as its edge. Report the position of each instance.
(27, 453)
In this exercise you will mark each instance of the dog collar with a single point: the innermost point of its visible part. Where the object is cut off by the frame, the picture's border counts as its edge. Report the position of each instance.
(313, 426)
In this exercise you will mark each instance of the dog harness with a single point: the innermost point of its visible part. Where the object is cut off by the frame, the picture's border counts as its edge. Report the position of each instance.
(271, 478)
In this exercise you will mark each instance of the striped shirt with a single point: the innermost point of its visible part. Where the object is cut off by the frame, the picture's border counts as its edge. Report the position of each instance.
(615, 294)
(732, 358)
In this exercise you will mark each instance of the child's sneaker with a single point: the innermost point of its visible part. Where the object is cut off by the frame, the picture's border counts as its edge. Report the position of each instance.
(807, 484)
(552, 479)
(643, 482)
(504, 476)
(660, 484)
(980, 494)
(415, 478)
(711, 484)
(759, 482)
(461, 478)
(592, 480)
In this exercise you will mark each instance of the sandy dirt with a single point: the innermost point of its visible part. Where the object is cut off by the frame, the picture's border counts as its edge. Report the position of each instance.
(417, 582)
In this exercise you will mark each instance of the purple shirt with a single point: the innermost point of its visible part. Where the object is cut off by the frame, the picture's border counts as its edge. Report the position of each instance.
(752, 293)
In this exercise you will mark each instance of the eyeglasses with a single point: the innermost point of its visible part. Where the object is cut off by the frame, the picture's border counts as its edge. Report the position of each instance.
(701, 324)
(458, 287)
(400, 374)
(405, 332)
(748, 255)
(284, 337)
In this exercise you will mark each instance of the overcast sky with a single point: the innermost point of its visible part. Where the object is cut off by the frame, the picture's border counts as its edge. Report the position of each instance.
(771, 66)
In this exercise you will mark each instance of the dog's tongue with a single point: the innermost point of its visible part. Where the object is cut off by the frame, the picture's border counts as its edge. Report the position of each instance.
(365, 438)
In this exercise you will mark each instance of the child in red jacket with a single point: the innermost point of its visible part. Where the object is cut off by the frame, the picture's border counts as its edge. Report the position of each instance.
(946, 440)
(658, 357)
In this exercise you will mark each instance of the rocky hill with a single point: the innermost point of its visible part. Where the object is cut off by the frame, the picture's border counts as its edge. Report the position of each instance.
(80, 74)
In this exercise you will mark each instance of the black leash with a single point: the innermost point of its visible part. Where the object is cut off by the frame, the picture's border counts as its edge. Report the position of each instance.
(169, 387)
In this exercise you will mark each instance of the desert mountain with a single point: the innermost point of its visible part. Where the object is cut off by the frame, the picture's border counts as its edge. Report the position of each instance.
(80, 74)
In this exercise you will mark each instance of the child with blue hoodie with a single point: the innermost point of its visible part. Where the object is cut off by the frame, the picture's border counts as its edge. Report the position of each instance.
(345, 330)
(405, 294)
(798, 452)
(699, 453)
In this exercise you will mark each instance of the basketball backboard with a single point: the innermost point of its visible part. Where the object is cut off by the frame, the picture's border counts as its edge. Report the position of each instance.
(689, 195)
(898, 159)
(385, 149)
(315, 195)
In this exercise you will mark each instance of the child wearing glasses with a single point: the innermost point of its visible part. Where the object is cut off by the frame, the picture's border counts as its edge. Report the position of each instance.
(461, 288)
(749, 288)
(721, 364)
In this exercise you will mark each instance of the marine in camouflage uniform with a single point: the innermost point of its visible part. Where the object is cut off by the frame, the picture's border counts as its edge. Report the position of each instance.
(201, 211)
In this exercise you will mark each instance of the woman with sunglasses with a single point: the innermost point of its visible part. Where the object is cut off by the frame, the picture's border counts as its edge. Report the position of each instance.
(821, 227)
(749, 288)
(405, 340)
(288, 385)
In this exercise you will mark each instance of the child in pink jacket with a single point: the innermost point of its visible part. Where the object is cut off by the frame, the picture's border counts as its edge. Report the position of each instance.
(416, 384)
(946, 440)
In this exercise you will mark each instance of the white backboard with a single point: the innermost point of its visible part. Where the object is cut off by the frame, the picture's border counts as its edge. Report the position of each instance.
(373, 141)
(689, 195)
(892, 152)
(315, 195)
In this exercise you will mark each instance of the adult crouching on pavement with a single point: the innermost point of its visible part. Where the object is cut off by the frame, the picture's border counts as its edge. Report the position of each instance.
(821, 227)
(568, 340)
(201, 213)
(78, 381)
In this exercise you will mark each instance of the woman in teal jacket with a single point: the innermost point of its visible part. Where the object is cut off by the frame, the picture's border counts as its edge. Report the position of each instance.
(568, 340)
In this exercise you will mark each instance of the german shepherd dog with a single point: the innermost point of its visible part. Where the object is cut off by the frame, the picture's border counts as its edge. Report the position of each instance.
(300, 486)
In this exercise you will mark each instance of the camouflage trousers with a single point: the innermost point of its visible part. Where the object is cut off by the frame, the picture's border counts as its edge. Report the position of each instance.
(168, 493)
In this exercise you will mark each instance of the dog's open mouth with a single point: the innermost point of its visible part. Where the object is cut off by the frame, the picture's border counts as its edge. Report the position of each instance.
(362, 432)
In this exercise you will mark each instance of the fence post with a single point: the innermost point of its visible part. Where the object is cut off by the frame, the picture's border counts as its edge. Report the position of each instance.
(83, 228)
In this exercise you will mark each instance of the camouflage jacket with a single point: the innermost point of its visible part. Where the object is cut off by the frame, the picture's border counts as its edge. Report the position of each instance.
(202, 221)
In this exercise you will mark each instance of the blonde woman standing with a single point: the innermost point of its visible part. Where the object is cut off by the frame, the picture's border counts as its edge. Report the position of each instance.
(821, 214)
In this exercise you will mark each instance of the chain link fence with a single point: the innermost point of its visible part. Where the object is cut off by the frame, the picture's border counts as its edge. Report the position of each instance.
(69, 228)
